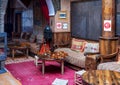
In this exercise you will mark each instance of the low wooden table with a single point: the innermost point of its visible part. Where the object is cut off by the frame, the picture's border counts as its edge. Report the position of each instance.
(13, 48)
(101, 77)
(45, 58)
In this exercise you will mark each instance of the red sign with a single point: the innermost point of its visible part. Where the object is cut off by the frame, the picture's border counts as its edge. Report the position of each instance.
(107, 25)
(59, 25)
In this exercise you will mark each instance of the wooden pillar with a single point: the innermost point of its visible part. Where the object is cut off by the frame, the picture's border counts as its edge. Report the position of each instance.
(108, 14)
(108, 41)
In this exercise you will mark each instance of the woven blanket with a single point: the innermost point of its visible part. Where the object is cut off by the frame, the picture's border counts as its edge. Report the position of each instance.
(8, 79)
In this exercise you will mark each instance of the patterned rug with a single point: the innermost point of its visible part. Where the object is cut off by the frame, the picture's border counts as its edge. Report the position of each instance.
(18, 59)
(28, 74)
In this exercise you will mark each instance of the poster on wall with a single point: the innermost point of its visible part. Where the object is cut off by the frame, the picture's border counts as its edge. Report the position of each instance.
(107, 25)
(59, 25)
(62, 14)
(65, 26)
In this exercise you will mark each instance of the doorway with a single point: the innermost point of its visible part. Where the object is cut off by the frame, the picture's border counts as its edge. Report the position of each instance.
(18, 23)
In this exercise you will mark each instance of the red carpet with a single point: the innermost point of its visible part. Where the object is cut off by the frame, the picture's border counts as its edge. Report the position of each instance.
(28, 74)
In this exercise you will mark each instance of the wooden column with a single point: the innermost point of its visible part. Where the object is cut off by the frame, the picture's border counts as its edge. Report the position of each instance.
(108, 13)
(108, 41)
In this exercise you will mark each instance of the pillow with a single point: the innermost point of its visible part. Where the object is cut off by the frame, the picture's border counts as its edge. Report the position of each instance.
(91, 47)
(32, 38)
(78, 45)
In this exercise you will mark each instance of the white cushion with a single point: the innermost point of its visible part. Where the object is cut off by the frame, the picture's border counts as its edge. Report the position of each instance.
(91, 47)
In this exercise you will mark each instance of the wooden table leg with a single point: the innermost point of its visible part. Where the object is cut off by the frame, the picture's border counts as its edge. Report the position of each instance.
(13, 54)
(27, 52)
(62, 66)
(43, 67)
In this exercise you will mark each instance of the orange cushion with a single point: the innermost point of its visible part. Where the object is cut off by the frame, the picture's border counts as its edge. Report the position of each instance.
(78, 45)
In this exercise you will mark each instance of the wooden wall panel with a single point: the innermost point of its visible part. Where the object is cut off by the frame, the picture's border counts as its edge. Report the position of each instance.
(65, 7)
(61, 38)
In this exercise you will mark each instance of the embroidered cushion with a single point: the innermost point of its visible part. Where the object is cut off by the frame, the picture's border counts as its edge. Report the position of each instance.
(91, 47)
(78, 45)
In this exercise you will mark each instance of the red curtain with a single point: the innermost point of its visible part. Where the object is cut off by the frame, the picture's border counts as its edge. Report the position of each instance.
(44, 9)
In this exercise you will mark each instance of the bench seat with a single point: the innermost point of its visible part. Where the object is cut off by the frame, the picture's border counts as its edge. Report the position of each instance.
(74, 57)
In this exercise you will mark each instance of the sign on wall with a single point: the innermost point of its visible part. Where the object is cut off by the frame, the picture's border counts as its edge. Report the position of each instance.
(59, 25)
(107, 25)
(65, 26)
(61, 22)
(62, 26)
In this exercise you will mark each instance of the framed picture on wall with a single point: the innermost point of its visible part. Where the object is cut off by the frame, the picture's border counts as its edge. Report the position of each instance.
(62, 14)
(65, 26)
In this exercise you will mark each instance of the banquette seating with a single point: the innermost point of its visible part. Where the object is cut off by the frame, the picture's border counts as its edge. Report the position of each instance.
(85, 54)
(78, 51)
(33, 40)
